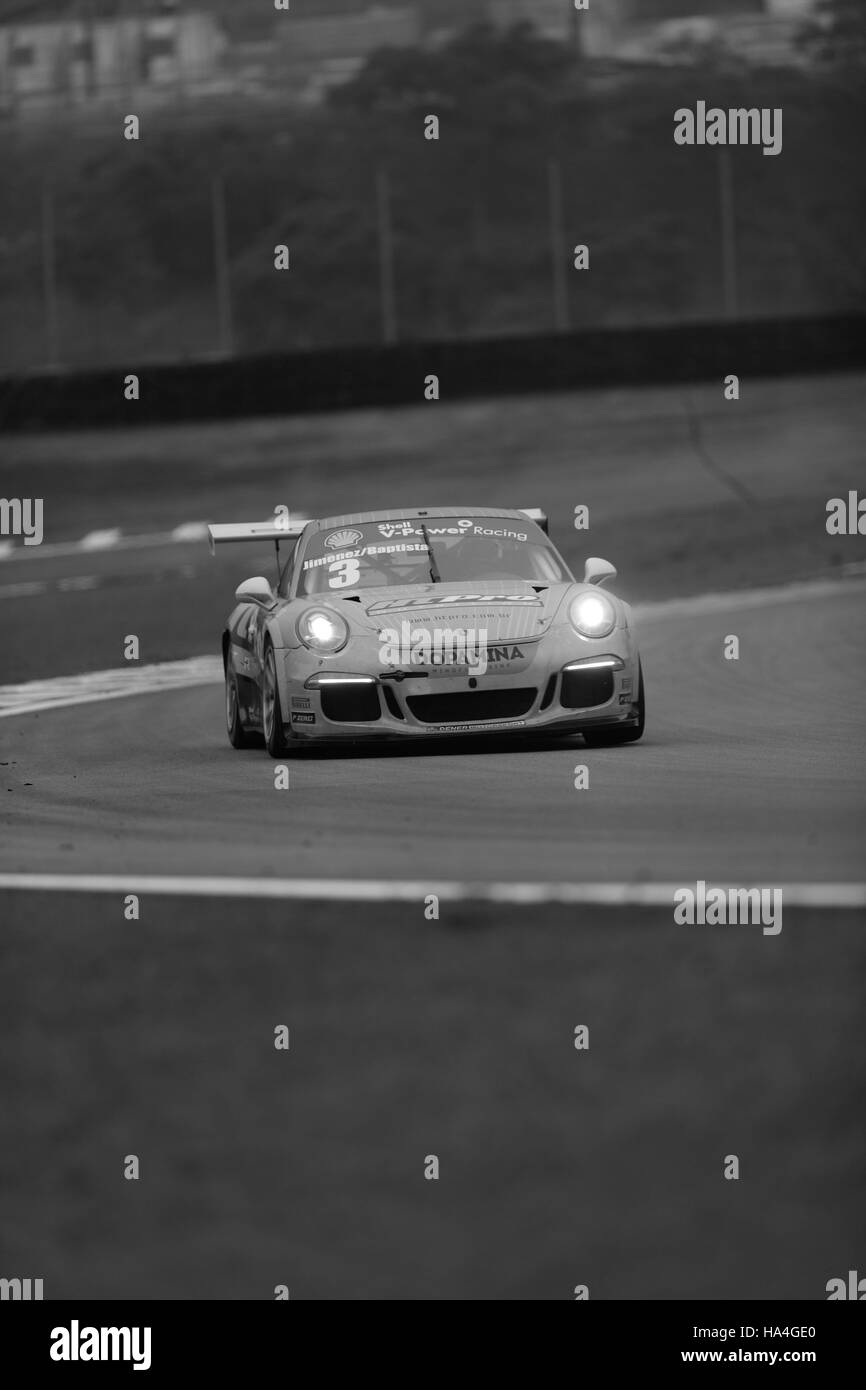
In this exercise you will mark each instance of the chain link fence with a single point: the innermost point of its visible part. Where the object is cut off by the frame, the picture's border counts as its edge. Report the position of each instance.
(163, 248)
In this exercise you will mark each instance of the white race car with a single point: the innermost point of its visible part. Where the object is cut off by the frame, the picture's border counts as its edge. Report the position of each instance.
(427, 622)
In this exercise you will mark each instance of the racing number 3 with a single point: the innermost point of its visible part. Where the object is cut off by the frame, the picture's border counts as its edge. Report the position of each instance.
(344, 573)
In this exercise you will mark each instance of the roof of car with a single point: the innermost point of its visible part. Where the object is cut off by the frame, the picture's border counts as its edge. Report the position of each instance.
(416, 514)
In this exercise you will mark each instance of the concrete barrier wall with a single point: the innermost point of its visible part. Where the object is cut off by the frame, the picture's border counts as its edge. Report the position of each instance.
(351, 378)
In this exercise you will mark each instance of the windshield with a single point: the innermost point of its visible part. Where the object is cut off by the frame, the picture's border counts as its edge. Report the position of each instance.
(432, 550)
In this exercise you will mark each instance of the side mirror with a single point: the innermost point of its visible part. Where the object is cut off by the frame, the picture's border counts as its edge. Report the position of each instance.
(598, 571)
(255, 590)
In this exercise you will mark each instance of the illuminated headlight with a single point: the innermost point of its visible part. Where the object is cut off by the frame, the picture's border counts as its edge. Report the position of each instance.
(323, 679)
(593, 615)
(323, 630)
(599, 663)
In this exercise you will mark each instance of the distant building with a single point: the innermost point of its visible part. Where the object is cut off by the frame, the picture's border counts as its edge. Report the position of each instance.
(664, 30)
(100, 48)
(675, 31)
(80, 59)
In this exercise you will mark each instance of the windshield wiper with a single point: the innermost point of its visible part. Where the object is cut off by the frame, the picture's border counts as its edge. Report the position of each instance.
(434, 568)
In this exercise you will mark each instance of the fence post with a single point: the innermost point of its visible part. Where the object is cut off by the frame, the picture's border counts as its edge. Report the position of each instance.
(386, 257)
(49, 278)
(221, 266)
(727, 218)
(557, 246)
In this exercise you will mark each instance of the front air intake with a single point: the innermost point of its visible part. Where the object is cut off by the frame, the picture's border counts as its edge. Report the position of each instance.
(584, 687)
(350, 703)
(470, 706)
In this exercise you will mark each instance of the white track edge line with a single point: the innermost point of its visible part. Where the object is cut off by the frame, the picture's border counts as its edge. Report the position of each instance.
(794, 895)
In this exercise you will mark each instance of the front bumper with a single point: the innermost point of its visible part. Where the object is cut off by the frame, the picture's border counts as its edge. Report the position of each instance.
(557, 687)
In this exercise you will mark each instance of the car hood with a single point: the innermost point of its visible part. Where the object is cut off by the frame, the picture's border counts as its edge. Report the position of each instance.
(507, 610)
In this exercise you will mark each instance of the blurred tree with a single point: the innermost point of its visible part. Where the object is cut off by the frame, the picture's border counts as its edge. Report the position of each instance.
(497, 76)
(836, 33)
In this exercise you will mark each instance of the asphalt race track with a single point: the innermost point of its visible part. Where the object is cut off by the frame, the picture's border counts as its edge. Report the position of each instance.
(749, 767)
(741, 776)
(453, 1036)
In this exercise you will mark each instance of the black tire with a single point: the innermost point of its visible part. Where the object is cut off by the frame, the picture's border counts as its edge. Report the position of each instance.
(272, 714)
(621, 733)
(239, 737)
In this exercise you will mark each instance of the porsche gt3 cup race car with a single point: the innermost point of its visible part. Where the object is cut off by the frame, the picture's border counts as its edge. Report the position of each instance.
(425, 622)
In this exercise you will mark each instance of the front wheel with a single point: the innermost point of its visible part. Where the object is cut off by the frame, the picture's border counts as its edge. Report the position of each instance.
(272, 714)
(239, 737)
(620, 733)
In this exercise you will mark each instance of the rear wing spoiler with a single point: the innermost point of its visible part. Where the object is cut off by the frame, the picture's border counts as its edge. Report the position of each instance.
(538, 516)
(254, 531)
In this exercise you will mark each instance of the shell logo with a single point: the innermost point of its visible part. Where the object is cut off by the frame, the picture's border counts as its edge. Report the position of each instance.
(343, 540)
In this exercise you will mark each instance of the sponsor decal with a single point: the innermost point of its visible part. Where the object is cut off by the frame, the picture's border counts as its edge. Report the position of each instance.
(303, 718)
(437, 672)
(626, 700)
(464, 617)
(363, 551)
(389, 529)
(476, 728)
(492, 531)
(300, 702)
(395, 604)
(465, 527)
(445, 651)
(343, 540)
(439, 646)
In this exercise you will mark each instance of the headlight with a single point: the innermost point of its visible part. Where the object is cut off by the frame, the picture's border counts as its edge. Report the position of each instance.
(593, 615)
(323, 630)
